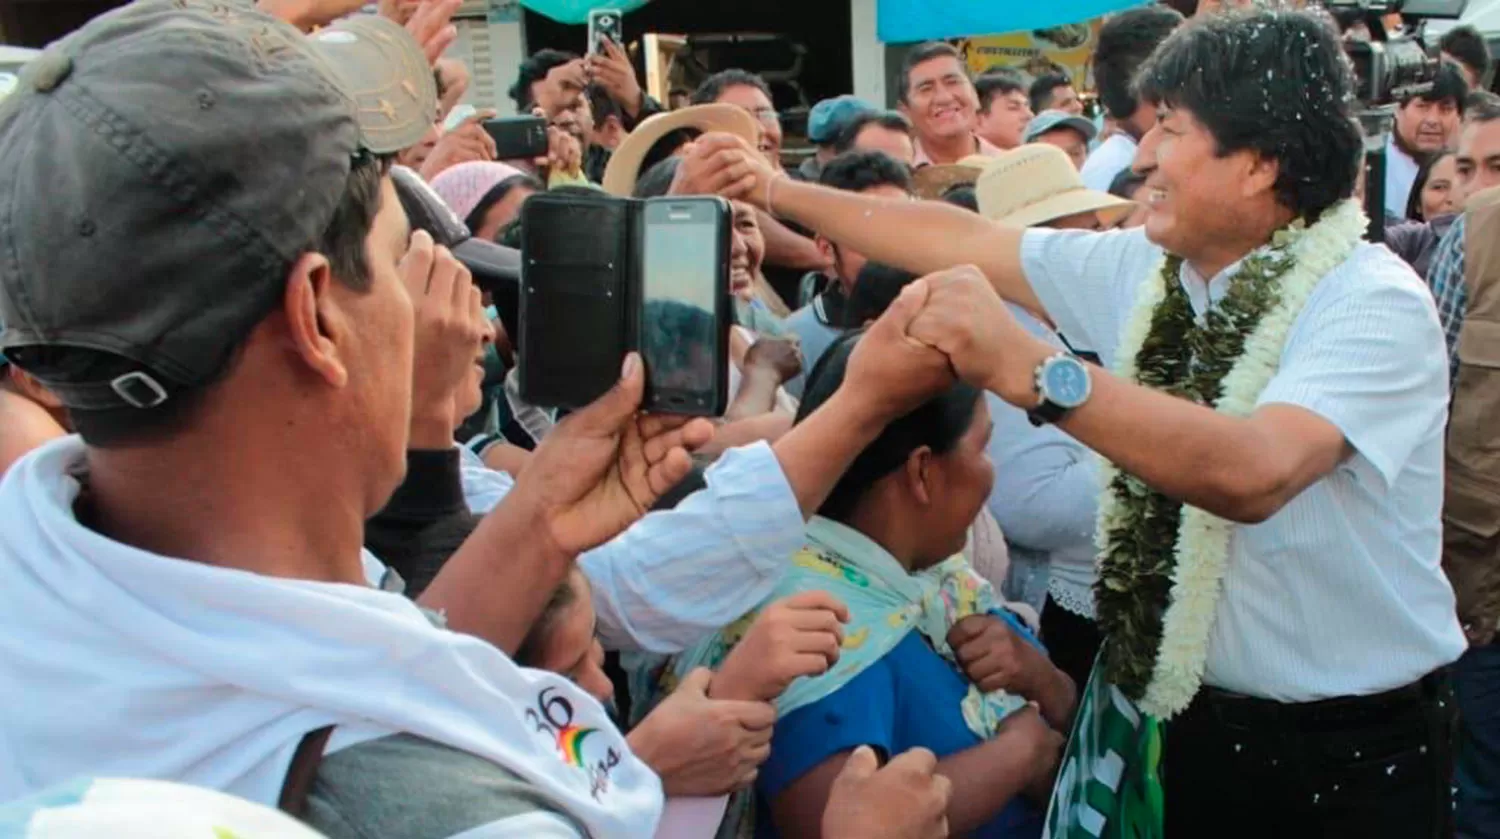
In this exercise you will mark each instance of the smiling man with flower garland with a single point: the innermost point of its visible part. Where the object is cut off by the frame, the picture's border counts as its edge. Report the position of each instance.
(1270, 535)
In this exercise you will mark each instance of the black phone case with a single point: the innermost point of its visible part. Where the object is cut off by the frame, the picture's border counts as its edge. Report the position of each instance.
(581, 308)
(518, 138)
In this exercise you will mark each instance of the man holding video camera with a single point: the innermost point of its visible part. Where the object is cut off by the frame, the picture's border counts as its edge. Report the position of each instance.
(1275, 423)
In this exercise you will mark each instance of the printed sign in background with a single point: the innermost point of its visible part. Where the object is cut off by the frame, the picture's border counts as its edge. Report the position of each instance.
(1036, 52)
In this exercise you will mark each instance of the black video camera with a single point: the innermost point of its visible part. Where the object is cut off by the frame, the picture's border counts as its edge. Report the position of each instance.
(1391, 69)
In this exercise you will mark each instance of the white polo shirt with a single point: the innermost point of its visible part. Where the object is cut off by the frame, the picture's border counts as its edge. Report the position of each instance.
(1341, 592)
(1105, 163)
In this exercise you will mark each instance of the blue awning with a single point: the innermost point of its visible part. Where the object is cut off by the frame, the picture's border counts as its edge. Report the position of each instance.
(906, 21)
(577, 11)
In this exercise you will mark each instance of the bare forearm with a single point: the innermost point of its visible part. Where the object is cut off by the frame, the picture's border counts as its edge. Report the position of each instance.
(757, 395)
(985, 778)
(769, 426)
(786, 248)
(476, 591)
(1228, 466)
(919, 236)
(1056, 696)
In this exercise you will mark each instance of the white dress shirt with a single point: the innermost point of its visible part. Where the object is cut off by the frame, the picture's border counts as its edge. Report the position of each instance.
(1104, 163)
(1046, 496)
(1341, 592)
(679, 575)
(1400, 176)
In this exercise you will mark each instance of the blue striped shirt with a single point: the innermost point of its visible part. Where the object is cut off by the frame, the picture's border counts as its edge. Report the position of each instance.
(1449, 290)
(678, 575)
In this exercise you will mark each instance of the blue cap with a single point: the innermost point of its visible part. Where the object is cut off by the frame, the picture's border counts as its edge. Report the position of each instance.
(1052, 120)
(829, 117)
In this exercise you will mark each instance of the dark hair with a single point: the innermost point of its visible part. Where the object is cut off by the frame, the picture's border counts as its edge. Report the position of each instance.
(442, 87)
(1467, 45)
(1447, 86)
(961, 195)
(534, 69)
(938, 424)
(1041, 90)
(529, 654)
(342, 242)
(667, 146)
(1482, 106)
(889, 120)
(876, 288)
(921, 54)
(497, 193)
(714, 86)
(1126, 183)
(995, 83)
(1424, 173)
(857, 171)
(1274, 83)
(1126, 40)
(655, 182)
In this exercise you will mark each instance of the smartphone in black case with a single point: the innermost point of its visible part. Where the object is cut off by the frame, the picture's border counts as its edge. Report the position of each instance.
(605, 24)
(518, 138)
(603, 276)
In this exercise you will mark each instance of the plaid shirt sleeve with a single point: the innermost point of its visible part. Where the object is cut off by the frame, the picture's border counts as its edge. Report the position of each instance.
(1449, 290)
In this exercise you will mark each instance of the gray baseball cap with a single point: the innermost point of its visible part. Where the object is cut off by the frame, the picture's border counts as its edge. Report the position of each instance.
(1050, 120)
(162, 167)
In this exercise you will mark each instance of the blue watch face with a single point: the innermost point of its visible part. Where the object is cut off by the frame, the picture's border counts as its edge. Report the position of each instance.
(1065, 383)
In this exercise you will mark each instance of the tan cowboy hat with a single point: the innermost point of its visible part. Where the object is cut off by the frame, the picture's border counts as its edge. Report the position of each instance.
(930, 182)
(1033, 184)
(625, 164)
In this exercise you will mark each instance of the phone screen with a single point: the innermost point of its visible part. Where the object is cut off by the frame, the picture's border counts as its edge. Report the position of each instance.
(680, 291)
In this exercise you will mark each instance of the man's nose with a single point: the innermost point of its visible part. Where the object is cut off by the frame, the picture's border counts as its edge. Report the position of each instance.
(1144, 162)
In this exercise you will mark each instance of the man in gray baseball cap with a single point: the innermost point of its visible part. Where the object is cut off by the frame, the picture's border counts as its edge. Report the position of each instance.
(1069, 132)
(154, 213)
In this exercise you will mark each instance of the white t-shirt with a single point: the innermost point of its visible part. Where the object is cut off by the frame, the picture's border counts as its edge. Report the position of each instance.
(1400, 176)
(1341, 593)
(1104, 163)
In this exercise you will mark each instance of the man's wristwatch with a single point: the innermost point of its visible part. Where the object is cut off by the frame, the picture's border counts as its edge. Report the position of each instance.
(1062, 383)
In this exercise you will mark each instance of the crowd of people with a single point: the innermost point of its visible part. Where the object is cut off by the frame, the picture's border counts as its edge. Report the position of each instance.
(1034, 418)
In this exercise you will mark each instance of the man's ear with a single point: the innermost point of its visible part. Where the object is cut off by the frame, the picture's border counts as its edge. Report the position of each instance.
(1260, 175)
(919, 475)
(33, 389)
(317, 327)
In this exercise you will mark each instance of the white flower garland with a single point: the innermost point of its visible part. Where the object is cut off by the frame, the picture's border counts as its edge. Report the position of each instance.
(1202, 549)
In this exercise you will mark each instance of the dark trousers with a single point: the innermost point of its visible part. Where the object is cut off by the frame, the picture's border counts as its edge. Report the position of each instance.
(1476, 682)
(1376, 767)
(1072, 641)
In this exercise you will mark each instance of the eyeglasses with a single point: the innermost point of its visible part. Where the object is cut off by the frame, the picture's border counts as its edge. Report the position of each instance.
(766, 115)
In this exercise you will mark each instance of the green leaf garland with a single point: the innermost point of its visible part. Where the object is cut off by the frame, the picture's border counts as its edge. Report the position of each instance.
(1188, 360)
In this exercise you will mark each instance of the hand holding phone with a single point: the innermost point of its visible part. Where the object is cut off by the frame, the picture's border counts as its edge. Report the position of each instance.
(518, 138)
(610, 68)
(604, 276)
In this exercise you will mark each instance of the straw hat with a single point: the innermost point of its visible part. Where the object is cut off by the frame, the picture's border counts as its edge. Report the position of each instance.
(1037, 183)
(930, 182)
(624, 167)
